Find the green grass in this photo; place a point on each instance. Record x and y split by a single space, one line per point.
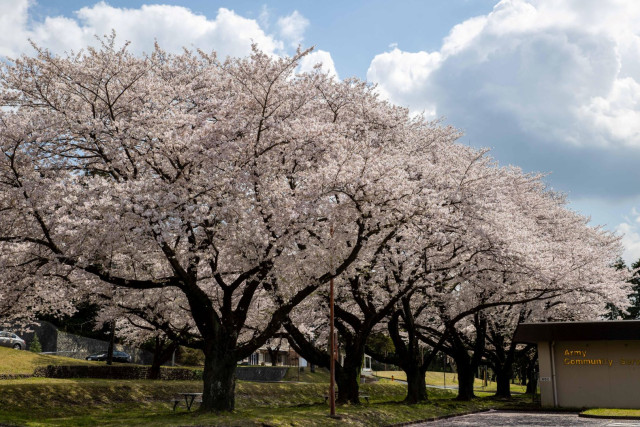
436 378
89 402
321 375
612 413
48 402
24 362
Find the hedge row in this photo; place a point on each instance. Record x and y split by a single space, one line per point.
114 372
14 376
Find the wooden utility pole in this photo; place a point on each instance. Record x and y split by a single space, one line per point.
332 351
112 338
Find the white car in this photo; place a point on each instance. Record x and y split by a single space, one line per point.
8 339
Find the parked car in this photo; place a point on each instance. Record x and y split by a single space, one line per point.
118 356
8 339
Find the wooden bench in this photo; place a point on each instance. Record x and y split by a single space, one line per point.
188 398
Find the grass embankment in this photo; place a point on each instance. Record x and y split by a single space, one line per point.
48 402
20 362
449 379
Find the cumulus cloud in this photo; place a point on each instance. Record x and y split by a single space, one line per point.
546 83
565 70
403 76
174 27
630 231
316 57
292 28
13 21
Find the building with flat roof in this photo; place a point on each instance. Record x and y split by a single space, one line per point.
586 364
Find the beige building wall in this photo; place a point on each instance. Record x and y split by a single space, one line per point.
592 374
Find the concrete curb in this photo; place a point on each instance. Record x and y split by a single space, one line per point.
610 417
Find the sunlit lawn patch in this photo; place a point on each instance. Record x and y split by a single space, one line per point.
612 413
448 379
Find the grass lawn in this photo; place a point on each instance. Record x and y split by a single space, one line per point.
613 413
321 375
88 402
436 378
24 362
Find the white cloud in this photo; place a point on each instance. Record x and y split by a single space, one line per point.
292 28
630 231
563 71
13 22
308 62
403 77
174 27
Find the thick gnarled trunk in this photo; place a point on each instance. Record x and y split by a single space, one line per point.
348 388
416 385
466 378
503 379
219 379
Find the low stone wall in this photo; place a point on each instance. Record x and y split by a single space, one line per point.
121 372
261 373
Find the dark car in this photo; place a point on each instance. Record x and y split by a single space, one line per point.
118 356
8 339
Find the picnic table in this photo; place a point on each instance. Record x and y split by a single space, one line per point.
189 399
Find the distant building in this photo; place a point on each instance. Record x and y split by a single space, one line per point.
283 355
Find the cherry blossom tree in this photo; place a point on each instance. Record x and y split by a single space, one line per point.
206 200
514 243
209 185
552 256
386 271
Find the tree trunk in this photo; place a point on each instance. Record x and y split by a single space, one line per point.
273 355
531 373
465 382
219 378
161 354
348 387
503 377
154 370
532 383
416 386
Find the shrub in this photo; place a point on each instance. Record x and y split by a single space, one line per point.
114 372
35 345
190 356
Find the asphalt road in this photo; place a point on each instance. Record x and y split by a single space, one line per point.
506 418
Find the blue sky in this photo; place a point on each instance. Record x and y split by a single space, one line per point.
549 85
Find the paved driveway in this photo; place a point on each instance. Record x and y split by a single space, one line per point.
505 418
